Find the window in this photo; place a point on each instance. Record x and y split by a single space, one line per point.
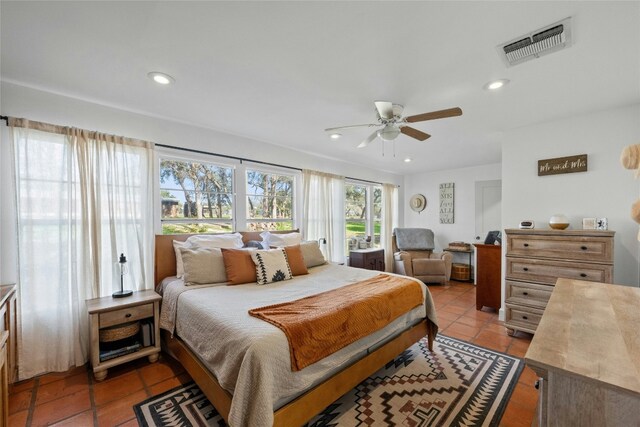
196 197
269 201
363 213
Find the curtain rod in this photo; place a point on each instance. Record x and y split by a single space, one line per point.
242 159
226 156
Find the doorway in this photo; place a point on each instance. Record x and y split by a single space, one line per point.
488 208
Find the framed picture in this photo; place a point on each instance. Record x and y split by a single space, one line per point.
588 223
602 224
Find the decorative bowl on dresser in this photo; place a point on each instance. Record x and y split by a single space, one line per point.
536 258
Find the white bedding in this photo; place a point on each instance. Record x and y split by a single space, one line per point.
250 357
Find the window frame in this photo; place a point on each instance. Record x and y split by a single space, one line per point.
239 168
175 155
369 219
296 180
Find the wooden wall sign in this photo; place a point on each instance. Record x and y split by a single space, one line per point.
446 203
562 165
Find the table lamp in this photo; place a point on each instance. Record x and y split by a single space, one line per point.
123 270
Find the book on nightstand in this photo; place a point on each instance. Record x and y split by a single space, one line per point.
112 354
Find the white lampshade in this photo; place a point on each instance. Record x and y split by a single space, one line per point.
389 133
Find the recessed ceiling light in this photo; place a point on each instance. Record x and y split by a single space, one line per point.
335 135
161 78
496 84
407 159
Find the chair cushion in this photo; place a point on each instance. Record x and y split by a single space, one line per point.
425 267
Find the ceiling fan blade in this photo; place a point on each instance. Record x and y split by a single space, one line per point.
414 133
369 139
451 112
385 109
352 126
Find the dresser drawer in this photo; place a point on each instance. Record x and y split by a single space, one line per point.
547 271
125 315
522 318
528 294
595 249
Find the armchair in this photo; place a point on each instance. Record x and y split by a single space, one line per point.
413 256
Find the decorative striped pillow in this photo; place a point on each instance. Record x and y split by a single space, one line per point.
271 266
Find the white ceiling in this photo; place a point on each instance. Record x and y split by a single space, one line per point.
281 72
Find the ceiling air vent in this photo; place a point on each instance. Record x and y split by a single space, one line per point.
540 42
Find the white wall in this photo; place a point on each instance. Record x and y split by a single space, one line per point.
464 224
20 101
605 190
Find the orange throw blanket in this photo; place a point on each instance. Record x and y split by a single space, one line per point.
319 325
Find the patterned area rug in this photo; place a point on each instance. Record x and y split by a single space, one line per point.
459 384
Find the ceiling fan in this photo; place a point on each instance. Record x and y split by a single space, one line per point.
389 117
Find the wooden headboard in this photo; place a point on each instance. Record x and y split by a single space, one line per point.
165 255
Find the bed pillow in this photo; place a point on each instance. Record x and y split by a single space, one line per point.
202 266
271 266
279 240
179 265
312 254
239 266
296 260
233 241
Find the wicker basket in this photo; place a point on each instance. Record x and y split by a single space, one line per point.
119 332
460 271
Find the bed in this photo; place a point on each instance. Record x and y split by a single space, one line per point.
241 363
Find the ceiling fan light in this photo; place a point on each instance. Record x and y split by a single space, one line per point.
389 133
335 135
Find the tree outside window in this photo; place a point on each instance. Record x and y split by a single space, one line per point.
269 201
196 197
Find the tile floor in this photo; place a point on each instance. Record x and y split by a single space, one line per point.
73 398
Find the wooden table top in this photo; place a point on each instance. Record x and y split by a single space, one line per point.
591 331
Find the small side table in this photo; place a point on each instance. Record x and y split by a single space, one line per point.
110 312
369 259
469 252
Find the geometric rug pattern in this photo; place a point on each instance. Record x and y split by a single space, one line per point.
458 384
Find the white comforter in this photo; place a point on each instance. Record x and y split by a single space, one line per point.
250 357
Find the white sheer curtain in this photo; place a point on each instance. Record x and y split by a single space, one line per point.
323 211
82 199
389 222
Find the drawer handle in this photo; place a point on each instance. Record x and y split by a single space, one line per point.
526 269
583 274
127 315
525 293
526 245
584 248
525 317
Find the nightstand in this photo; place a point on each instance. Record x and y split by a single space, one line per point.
110 316
370 259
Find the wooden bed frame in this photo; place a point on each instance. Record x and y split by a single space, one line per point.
312 402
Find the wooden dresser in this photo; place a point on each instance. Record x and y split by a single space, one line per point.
535 259
370 259
9 323
586 354
488 276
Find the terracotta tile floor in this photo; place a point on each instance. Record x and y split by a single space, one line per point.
74 398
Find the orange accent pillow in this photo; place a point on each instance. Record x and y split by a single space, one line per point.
296 260
239 266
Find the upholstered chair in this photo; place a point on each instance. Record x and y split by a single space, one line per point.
413 256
